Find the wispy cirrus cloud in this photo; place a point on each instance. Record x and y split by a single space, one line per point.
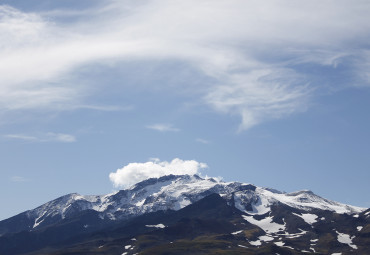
105 108
17 178
59 137
21 137
163 127
47 137
257 53
203 141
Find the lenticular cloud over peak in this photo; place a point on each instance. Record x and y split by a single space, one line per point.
136 172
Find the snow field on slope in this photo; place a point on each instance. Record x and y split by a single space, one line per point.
308 217
267 224
346 239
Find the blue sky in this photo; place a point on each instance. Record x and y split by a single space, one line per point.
275 93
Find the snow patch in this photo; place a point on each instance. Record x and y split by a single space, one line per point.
237 232
266 238
140 203
346 239
308 217
260 207
266 224
295 235
359 228
279 243
255 243
37 222
156 226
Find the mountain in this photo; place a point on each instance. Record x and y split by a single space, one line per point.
175 213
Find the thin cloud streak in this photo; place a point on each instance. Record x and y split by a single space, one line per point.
163 128
21 137
253 53
18 179
203 141
48 137
58 137
104 108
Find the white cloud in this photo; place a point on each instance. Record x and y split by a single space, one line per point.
136 172
163 127
105 108
48 137
254 51
18 179
204 141
21 137
260 95
64 138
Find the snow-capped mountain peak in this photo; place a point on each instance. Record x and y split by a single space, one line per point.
173 193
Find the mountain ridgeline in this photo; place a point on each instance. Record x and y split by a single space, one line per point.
189 214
